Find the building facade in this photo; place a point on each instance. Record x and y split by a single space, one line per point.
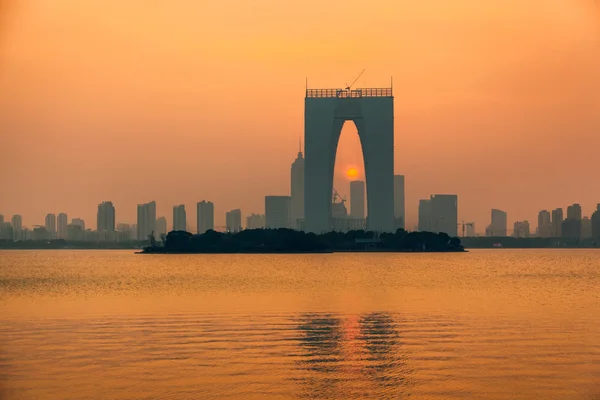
179 218
357 199
399 205
146 220
106 217
297 190
255 221
278 212
205 216
233 220
17 227
521 229
50 225
61 223
444 214
498 226
596 223
557 220
544 229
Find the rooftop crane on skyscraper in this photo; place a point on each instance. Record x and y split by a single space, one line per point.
348 87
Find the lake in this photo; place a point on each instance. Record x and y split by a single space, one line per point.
488 324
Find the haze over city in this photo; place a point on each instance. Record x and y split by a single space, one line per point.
497 101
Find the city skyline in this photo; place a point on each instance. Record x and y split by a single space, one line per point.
486 123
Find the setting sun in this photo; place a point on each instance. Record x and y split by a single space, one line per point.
352 173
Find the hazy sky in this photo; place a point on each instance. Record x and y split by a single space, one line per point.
183 100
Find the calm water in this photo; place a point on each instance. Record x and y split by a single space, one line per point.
498 324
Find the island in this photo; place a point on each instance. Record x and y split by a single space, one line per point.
292 241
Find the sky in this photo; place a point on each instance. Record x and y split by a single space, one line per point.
497 101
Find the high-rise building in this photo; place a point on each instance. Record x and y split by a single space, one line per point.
357 199
571 226
596 223
557 220
62 222
255 221
146 220
17 227
297 190
425 216
499 224
444 214
78 222
106 221
544 229
586 228
574 212
277 212
233 221
179 218
399 206
205 216
161 226
471 230
50 225
521 229
1 224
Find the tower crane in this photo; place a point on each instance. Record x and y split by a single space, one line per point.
348 87
337 196
465 224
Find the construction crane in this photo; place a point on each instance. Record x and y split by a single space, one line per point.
348 87
337 196
465 224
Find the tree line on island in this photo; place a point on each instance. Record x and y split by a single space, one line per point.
292 241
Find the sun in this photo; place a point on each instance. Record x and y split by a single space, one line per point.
352 173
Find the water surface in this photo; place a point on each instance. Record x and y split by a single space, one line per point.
489 324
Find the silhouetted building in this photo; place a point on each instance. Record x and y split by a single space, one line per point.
233 220
161 226
50 225
544 228
297 190
78 222
179 218
61 222
574 212
499 224
444 214
357 199
205 216
17 227
6 231
277 212
399 205
146 220
255 221
41 233
596 223
106 221
471 230
586 228
557 220
75 232
571 229
521 229
425 216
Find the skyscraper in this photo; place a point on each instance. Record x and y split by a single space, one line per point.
557 220
574 212
255 221
146 220
499 224
161 226
357 199
277 212
596 223
50 224
233 221
544 224
425 216
586 228
179 218
399 206
78 222
444 214
205 217
62 223
106 217
571 226
521 229
297 190
17 225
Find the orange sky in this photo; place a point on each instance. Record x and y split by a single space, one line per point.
178 101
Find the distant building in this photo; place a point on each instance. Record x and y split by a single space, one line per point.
41 233
6 231
205 216
146 220
233 221
586 228
557 220
471 230
106 221
179 218
161 226
499 224
574 212
399 205
278 212
425 216
50 225
596 223
571 227
62 222
297 190
444 214
75 232
78 222
544 229
357 199
521 229
17 227
255 221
